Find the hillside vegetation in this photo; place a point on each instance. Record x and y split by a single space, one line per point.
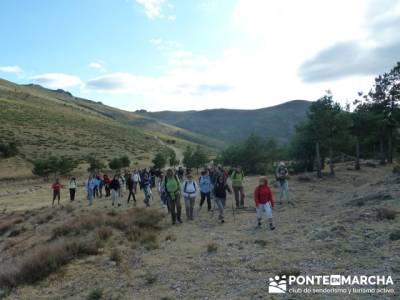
45 122
234 125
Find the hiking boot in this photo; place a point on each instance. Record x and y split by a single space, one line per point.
271 226
222 221
180 221
119 204
173 222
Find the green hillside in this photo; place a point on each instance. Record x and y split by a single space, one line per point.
46 122
231 125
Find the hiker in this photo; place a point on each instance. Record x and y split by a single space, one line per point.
121 180
282 175
72 185
100 186
190 189
180 173
219 191
136 179
130 185
126 178
89 186
145 186
264 202
106 181
205 189
96 187
115 186
56 186
161 191
237 178
172 187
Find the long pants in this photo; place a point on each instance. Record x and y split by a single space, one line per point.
221 205
100 191
107 188
72 194
90 195
147 195
284 190
239 192
115 197
131 193
135 184
205 196
189 205
175 207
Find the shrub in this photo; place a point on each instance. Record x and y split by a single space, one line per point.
171 237
116 256
150 278
149 241
9 150
395 235
212 247
289 272
104 233
96 294
386 213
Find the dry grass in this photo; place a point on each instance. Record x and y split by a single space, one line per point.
116 256
7 224
212 247
96 294
38 263
385 213
104 233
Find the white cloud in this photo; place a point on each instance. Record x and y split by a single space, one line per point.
57 80
154 9
11 69
97 66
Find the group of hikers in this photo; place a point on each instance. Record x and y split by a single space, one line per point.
171 186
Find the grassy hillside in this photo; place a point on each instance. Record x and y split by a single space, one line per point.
230 126
46 122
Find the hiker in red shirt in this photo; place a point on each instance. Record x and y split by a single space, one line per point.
57 186
264 202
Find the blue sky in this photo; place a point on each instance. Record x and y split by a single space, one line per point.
188 54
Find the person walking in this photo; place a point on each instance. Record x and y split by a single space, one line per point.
282 175
56 187
172 187
161 191
220 189
264 202
115 186
190 189
131 189
136 180
237 178
106 181
205 189
72 185
145 185
89 186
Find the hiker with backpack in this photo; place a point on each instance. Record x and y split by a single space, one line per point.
72 185
106 181
131 185
89 186
115 187
237 179
136 179
172 187
145 185
264 202
205 187
282 175
56 187
219 191
189 189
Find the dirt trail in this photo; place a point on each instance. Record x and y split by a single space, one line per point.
325 233
178 152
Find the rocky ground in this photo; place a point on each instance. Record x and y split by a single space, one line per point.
343 225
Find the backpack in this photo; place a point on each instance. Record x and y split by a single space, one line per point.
166 179
194 185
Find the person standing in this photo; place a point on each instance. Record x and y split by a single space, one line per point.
146 187
282 175
237 178
115 186
72 185
90 184
220 189
172 187
205 189
264 202
56 187
136 180
161 190
190 189
106 181
130 185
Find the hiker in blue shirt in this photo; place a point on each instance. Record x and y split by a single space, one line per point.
205 189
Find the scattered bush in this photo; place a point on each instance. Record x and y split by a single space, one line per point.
116 256
171 237
149 241
395 235
151 278
96 294
289 272
9 150
386 214
262 243
104 233
212 247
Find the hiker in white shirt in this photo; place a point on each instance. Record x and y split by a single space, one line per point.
189 191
